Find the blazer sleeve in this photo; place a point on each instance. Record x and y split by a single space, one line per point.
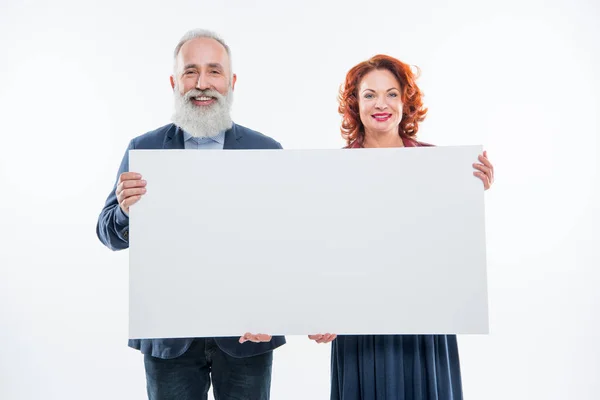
113 224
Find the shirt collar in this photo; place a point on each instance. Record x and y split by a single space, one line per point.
219 138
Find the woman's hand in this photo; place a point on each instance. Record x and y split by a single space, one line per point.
323 338
485 171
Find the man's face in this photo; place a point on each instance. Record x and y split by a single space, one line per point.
203 64
203 88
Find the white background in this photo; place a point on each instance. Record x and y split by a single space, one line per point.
79 79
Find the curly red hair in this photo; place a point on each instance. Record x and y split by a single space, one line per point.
413 111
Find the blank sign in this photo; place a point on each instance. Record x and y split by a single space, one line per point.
363 241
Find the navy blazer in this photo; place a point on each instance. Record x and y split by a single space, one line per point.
113 231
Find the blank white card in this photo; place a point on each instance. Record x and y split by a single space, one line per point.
364 241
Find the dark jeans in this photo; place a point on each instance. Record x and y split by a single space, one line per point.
188 376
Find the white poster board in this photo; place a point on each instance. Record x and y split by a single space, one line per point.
363 241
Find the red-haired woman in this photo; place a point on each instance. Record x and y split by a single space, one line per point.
381 106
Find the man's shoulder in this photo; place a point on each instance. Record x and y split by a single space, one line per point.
154 138
256 139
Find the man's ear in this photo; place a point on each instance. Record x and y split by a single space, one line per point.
172 79
233 79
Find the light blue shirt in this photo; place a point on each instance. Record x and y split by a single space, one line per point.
204 143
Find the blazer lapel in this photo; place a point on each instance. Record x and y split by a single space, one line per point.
232 137
174 138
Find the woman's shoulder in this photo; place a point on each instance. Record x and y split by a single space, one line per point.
408 142
412 142
423 144
354 145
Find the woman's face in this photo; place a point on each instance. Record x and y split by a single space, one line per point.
379 102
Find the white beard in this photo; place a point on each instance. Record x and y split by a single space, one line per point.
202 121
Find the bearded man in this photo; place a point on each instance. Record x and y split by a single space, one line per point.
182 369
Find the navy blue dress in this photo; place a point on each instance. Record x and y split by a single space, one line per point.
395 367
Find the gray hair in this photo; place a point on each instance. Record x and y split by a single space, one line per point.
196 34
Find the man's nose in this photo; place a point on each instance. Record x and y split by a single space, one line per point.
202 83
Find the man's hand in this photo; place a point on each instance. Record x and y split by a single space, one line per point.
130 189
261 337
